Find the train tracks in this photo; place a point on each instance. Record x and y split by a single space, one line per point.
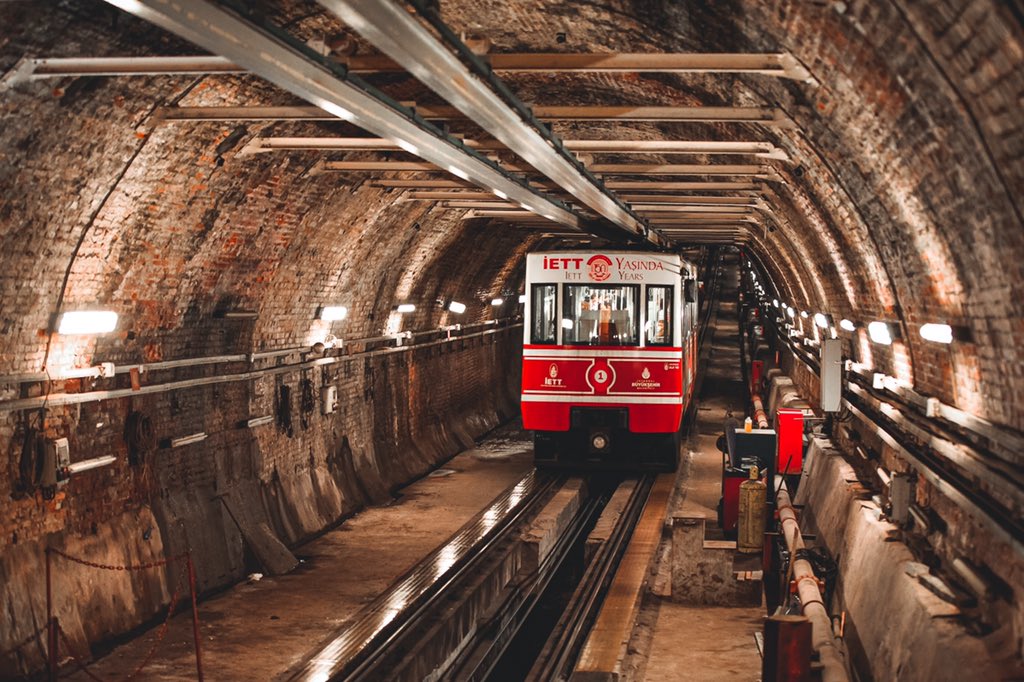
459 613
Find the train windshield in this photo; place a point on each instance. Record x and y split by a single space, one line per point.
600 315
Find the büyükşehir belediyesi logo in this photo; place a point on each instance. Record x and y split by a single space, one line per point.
599 268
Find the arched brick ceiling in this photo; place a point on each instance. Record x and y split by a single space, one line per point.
901 200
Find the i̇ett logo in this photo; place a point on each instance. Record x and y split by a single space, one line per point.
599 268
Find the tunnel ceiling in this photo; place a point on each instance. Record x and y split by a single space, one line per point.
898 198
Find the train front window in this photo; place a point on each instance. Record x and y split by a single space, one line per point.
658 331
600 315
542 304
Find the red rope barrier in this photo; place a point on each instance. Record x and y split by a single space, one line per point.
109 567
185 571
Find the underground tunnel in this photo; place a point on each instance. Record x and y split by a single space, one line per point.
338 339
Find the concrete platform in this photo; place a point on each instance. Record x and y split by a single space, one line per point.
257 631
687 634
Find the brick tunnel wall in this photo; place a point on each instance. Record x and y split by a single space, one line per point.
166 225
899 203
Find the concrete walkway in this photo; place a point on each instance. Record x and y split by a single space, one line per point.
257 631
692 643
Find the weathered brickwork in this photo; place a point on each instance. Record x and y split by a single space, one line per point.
901 202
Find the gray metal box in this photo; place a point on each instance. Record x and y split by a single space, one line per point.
831 375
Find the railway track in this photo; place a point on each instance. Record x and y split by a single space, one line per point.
360 648
563 646
405 633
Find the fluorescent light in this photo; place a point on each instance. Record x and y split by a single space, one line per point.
880 333
94 463
522 298
821 320
497 301
775 302
847 325
332 313
804 314
939 333
566 323
259 421
87 322
188 440
456 307
501 195
790 311
458 172
238 314
405 308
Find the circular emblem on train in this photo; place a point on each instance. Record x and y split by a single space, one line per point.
553 370
599 268
600 376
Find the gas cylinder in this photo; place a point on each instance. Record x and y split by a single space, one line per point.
753 496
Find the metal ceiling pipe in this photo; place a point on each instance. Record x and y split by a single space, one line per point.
398 34
296 70
811 604
758 149
766 116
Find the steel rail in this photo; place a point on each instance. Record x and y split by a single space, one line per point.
563 646
398 34
277 57
354 650
477 662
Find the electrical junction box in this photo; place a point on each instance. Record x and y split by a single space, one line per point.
56 462
831 375
328 399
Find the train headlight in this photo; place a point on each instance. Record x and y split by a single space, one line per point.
600 441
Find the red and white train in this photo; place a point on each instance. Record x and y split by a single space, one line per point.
609 357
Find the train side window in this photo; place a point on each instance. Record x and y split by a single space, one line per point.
659 316
542 302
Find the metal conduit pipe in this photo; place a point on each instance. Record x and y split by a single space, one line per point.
59 399
811 604
96 371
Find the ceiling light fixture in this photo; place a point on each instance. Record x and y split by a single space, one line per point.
456 307
405 308
847 325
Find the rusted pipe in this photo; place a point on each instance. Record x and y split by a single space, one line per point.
195 616
811 603
760 417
